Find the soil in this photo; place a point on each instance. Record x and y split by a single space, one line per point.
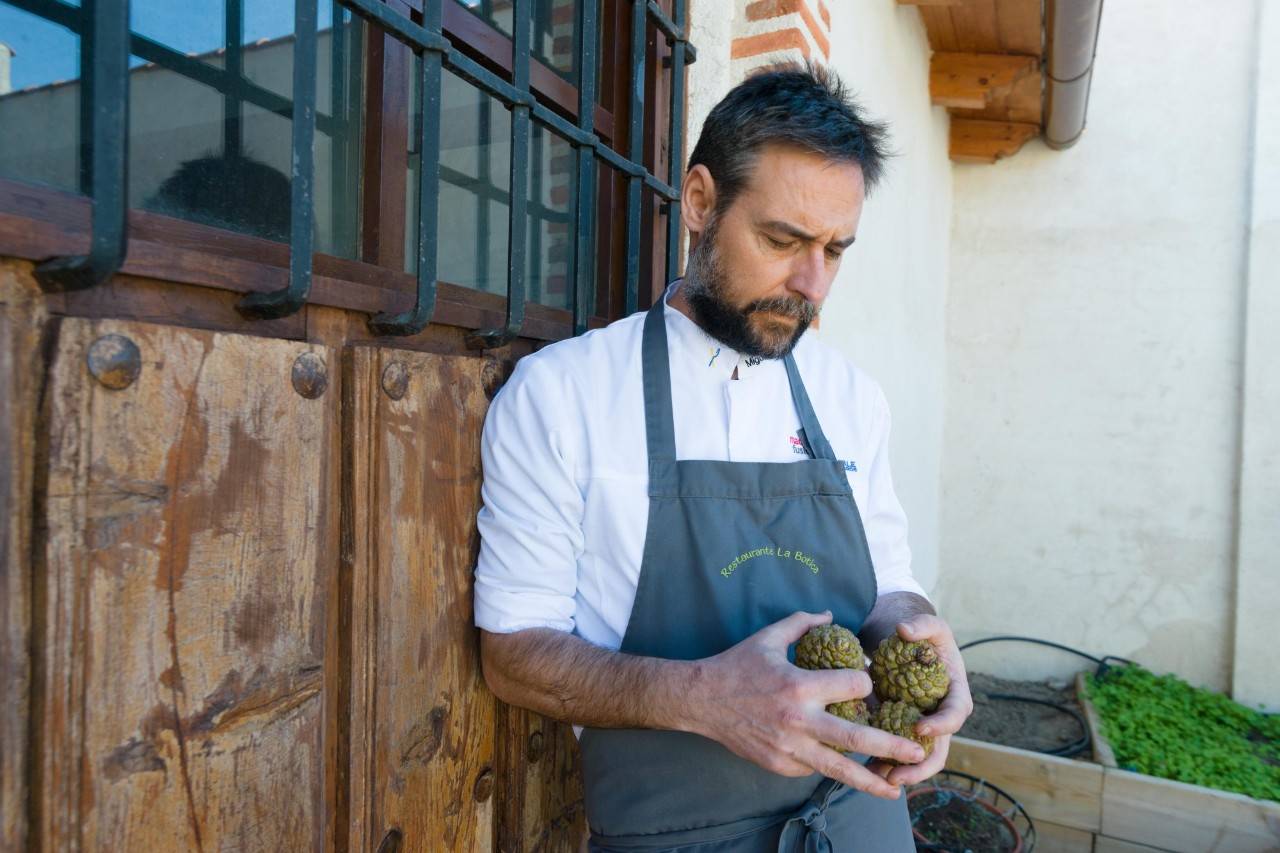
1025 725
951 821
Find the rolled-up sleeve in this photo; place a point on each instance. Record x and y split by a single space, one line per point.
883 518
531 519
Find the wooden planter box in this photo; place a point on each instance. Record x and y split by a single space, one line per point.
1087 806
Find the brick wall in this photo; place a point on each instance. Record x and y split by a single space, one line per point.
770 31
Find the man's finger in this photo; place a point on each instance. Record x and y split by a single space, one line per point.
837 685
851 737
833 765
910 774
795 626
950 715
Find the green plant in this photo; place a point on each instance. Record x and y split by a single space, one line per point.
1162 726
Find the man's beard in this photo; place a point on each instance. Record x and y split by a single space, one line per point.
706 288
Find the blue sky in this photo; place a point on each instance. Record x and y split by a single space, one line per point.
45 52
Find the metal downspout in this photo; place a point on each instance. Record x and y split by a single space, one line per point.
1072 43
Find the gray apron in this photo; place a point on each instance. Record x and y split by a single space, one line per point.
732 547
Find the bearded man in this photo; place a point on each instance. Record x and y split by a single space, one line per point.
673 501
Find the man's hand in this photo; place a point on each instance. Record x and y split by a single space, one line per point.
950 714
753 701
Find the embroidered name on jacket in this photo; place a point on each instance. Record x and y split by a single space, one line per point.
797 446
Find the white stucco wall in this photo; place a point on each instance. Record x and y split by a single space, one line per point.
1095 339
1254 669
886 310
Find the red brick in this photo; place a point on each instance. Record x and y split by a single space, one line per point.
764 9
743 48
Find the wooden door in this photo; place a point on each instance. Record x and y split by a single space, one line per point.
430 753
252 601
185 604
422 736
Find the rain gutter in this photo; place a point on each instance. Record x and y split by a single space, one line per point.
1072 41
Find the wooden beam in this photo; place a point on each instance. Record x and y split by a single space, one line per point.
1185 818
1056 838
1053 789
930 2
976 141
971 80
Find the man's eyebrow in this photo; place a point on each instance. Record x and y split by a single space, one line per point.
800 234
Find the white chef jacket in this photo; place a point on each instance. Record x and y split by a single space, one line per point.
565 491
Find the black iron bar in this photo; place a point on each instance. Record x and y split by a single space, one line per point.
539 213
109 116
673 30
400 27
430 81
635 137
232 106
583 254
66 15
675 148
518 223
105 88
291 298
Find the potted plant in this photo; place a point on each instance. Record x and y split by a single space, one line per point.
956 812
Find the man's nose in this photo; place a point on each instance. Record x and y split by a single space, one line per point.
809 275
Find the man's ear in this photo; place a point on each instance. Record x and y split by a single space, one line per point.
697 200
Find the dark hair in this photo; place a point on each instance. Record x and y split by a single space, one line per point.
802 105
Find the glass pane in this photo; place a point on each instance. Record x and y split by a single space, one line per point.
554 25
553 192
39 100
223 158
210 91
475 163
475 179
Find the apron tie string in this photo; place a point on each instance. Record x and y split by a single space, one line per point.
806 830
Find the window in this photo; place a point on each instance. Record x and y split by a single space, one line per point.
212 97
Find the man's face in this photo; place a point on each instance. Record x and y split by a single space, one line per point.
763 268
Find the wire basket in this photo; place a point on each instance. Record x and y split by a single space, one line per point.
968 801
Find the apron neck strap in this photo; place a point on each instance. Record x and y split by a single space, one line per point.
659 420
819 447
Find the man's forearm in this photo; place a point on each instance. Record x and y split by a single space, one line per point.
889 610
566 678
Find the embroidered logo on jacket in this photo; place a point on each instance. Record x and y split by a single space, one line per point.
799 447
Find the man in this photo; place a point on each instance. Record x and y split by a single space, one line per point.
671 502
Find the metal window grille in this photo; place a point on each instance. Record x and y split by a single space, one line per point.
107 43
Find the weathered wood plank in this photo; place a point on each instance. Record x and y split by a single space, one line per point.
540 784
22 318
1053 789
1020 23
971 80
1185 818
1102 752
937 23
188 597
976 141
976 26
1023 103
1102 844
422 721
1056 838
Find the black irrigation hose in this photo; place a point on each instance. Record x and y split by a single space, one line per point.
1076 746
1101 662
1081 744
